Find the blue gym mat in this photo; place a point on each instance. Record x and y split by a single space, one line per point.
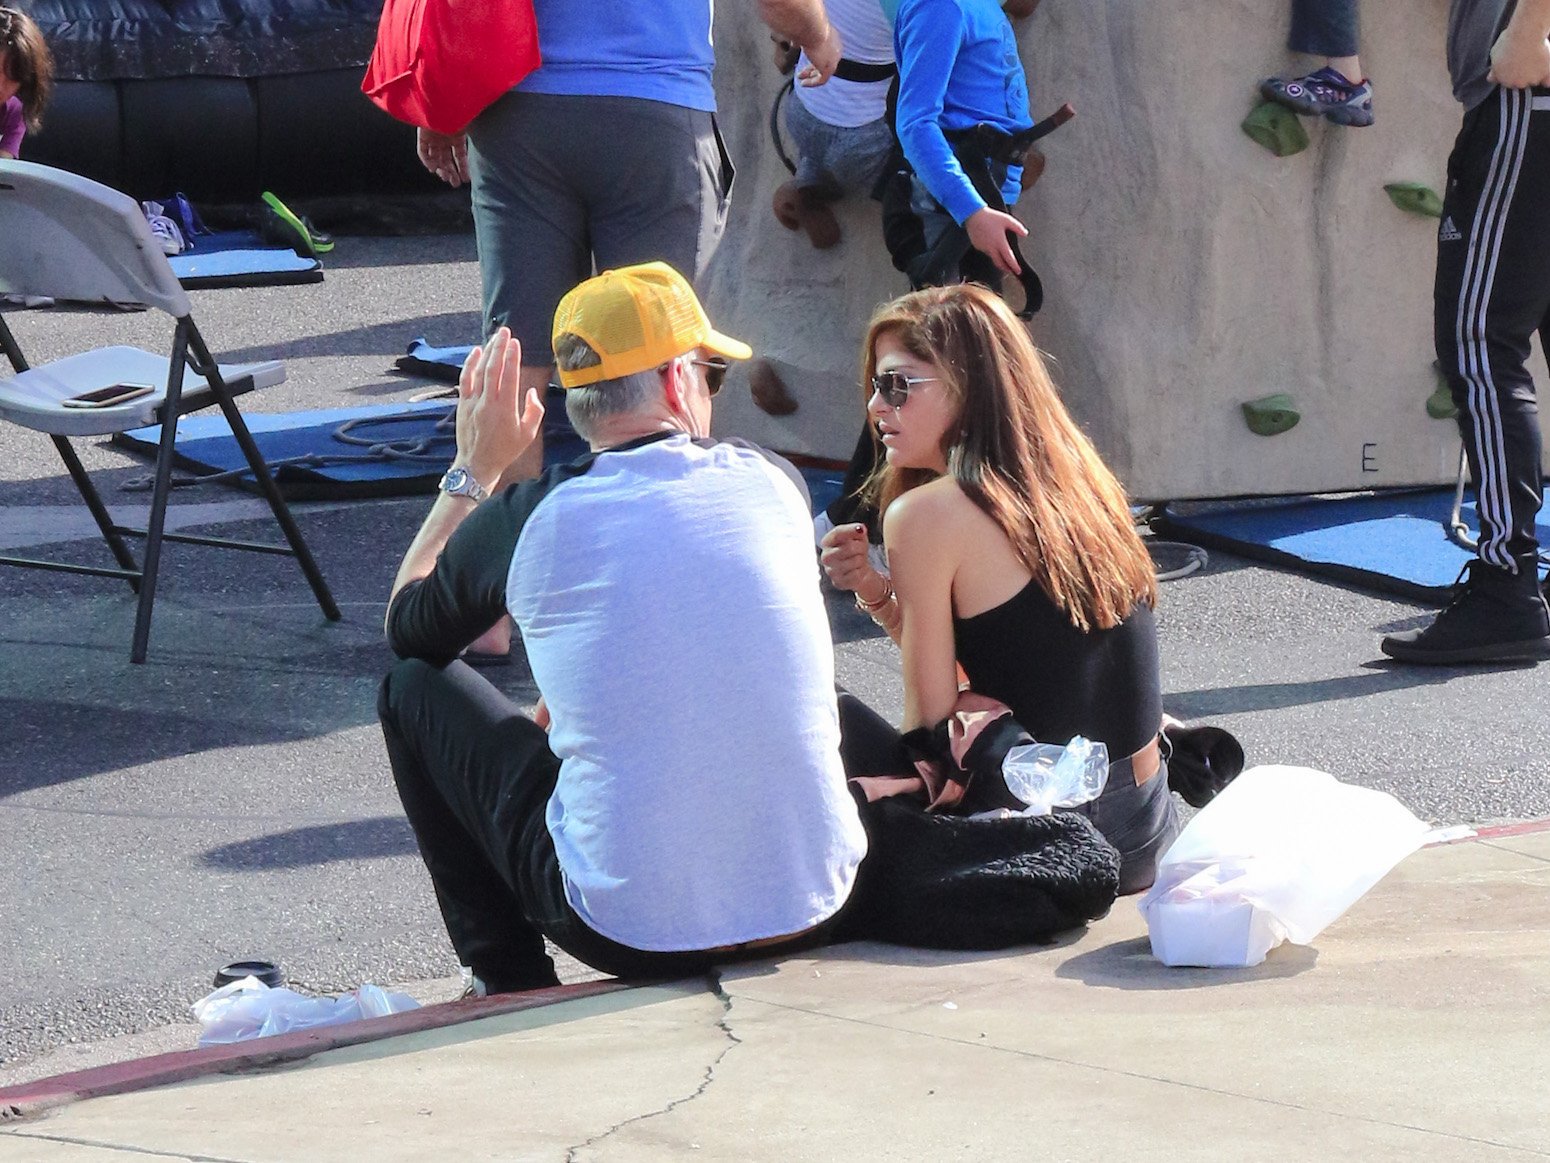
240 258
346 453
1396 542
381 450
438 363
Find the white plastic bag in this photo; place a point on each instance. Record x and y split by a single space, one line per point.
1279 855
250 1009
1046 776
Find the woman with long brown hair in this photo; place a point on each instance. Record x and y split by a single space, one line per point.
1012 552
26 79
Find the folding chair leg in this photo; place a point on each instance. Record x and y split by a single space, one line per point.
159 493
206 366
99 511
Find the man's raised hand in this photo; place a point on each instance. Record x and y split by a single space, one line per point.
495 424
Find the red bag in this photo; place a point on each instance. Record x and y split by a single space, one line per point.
438 64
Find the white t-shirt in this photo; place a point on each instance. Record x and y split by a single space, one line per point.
668 600
867 38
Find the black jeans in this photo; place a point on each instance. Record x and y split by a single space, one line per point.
475 776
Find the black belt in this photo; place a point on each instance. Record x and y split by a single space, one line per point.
848 70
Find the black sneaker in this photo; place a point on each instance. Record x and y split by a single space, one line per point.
1494 616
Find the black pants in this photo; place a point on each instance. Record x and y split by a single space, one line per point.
1492 294
475 776
1141 822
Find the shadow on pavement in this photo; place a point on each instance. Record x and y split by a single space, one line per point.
318 844
1130 965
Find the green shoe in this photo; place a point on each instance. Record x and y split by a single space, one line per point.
283 227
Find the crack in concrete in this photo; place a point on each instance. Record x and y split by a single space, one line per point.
1514 852
145 1152
713 983
1157 1078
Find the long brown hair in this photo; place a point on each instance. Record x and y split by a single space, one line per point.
28 62
1018 454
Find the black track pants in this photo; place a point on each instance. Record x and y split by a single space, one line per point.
1492 294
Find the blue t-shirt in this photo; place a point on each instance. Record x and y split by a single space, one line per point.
660 51
958 68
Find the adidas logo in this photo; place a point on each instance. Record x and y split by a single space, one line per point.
1448 232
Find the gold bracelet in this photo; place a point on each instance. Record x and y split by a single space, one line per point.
867 607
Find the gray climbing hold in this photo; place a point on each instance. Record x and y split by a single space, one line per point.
1271 415
1415 198
1276 128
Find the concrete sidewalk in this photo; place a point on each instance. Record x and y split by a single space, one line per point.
1415 1028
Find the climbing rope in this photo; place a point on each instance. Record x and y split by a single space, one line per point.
433 449
1458 531
780 146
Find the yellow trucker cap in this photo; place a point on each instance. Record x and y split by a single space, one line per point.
637 318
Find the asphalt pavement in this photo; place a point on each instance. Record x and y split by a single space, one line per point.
230 798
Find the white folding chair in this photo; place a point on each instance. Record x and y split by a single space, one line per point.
77 241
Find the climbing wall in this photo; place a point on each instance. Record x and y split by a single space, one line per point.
1188 269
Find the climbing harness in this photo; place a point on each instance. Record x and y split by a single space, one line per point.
847 70
979 151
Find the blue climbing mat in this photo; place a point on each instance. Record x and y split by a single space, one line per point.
380 450
1396 542
240 258
437 363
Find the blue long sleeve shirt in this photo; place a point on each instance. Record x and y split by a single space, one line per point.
958 67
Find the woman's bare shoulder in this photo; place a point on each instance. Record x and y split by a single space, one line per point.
937 500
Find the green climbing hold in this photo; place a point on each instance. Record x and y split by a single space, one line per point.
1276 128
1440 405
1271 415
1415 198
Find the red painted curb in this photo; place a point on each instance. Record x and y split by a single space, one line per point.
31 1099
1522 828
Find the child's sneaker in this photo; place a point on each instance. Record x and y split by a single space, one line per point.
164 228
181 210
1322 94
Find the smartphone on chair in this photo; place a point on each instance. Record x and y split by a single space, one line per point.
108 397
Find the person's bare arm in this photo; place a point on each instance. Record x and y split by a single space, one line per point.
923 560
494 426
1520 57
804 22
1019 9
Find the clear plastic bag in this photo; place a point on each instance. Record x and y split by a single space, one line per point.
1046 776
1279 855
250 1009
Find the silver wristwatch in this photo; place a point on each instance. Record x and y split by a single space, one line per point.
459 482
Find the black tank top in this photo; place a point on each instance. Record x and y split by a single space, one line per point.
1060 681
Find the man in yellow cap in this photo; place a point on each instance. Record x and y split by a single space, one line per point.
677 798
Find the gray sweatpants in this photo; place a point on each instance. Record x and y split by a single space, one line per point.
563 185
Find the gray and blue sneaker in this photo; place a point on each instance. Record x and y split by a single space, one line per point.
1325 93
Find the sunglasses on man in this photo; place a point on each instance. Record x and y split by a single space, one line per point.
715 372
894 387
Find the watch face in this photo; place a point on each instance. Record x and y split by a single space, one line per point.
457 478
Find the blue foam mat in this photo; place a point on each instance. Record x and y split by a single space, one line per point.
240 258
439 363
1397 542
204 444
